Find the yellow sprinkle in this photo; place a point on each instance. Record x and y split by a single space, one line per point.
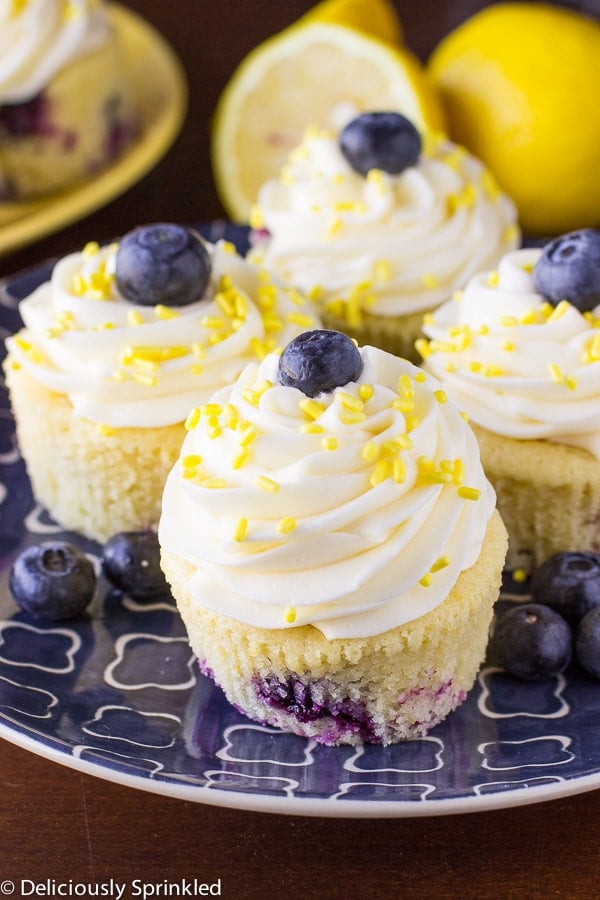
311 428
430 280
312 408
143 378
334 227
412 422
330 443
290 615
420 377
351 416
193 417
425 580
493 279
380 472
350 401
105 430
370 451
382 270
165 312
249 434
556 374
508 346
509 321
366 391
440 396
241 530
428 319
404 404
375 177
240 458
464 415
91 248
191 460
559 310
267 484
519 575
213 483
469 493
405 386
398 470
491 371
440 563
286 525
134 317
300 319
256 219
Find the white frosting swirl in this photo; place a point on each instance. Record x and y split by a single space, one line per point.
121 364
39 37
355 512
518 366
396 244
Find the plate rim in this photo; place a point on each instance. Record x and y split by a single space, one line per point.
36 219
60 752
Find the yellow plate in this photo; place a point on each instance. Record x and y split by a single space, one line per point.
159 80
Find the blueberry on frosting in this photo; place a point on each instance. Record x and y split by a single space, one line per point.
569 269
162 264
380 140
318 361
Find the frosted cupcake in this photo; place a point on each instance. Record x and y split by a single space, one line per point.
519 350
117 347
66 109
332 544
379 225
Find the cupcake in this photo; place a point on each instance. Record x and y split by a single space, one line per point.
117 347
519 351
333 545
379 225
66 109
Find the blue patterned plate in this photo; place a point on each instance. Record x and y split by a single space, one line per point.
118 694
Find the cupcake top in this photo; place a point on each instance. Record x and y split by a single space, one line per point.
359 231
137 332
329 486
39 37
519 358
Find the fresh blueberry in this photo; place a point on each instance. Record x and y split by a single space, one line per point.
380 140
532 642
52 581
569 269
569 582
162 264
587 642
318 361
131 561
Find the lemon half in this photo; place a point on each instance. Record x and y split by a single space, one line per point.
312 73
520 85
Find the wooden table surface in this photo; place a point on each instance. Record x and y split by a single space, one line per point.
60 826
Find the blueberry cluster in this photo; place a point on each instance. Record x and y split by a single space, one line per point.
537 640
55 580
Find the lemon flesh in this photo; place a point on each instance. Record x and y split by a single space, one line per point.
519 83
312 73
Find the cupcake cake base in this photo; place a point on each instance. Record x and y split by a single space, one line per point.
381 689
548 495
80 123
92 480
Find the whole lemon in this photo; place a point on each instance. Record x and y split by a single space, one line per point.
520 84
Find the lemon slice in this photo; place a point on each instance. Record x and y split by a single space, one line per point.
312 73
377 18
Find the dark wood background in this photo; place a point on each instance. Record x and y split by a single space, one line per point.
58 824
